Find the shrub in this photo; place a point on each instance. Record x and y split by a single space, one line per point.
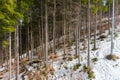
70 58
56 56
61 63
112 57
116 35
64 58
70 43
91 75
65 67
81 40
52 72
75 67
85 68
52 69
92 42
95 60
51 56
102 37
59 68
75 56
43 72
64 75
94 49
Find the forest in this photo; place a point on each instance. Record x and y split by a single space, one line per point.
59 39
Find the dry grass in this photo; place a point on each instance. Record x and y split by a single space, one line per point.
75 56
24 61
1 75
48 68
70 59
37 75
54 57
30 77
112 57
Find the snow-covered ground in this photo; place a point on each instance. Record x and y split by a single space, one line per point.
103 69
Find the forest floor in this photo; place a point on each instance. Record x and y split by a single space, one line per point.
68 68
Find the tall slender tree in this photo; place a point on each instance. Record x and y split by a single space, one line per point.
88 34
64 25
112 32
10 66
46 31
54 26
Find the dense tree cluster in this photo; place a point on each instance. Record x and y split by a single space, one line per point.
39 27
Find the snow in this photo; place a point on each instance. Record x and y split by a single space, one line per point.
103 69
106 69
1 69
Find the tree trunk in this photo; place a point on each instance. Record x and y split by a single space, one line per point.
46 32
17 51
112 32
88 62
95 29
54 24
64 25
10 56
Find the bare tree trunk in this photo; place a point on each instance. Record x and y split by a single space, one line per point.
109 24
112 32
77 42
46 32
10 72
64 25
54 24
31 52
84 32
70 20
20 42
32 41
17 51
42 30
39 51
95 29
88 34
28 43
